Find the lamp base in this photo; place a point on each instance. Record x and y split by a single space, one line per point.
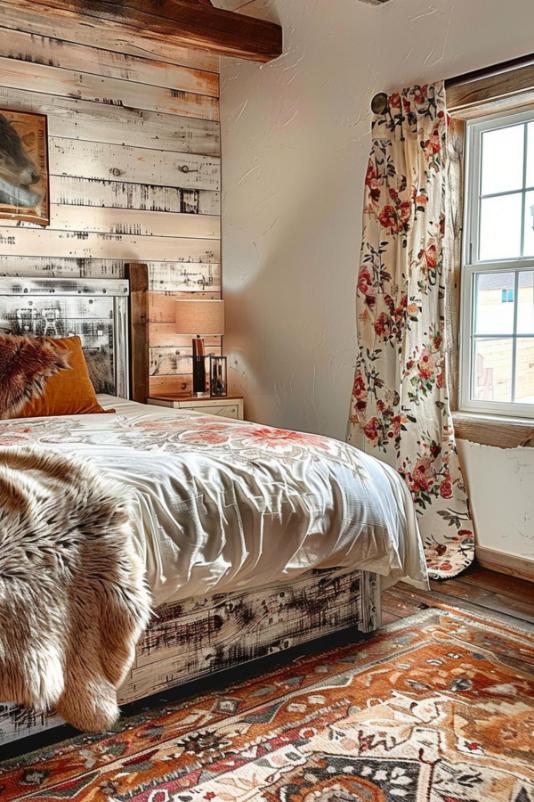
199 367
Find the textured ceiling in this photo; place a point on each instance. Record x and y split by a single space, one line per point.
241 5
230 5
263 9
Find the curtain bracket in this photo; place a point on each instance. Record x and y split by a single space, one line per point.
379 103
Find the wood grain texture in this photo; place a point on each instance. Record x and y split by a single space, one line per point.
164 334
183 23
70 118
497 432
180 277
21 15
474 92
139 354
84 245
126 195
134 163
175 361
453 251
112 91
55 52
55 267
478 590
129 221
520 568
181 384
167 361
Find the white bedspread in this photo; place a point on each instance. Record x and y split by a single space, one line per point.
225 505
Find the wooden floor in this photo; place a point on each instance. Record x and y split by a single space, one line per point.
478 589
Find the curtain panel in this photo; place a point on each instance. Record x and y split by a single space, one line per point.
400 409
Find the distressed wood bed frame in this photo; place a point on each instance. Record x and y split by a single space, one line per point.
200 636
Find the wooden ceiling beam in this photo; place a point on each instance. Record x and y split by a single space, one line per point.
188 23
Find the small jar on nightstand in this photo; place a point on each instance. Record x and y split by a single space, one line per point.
228 407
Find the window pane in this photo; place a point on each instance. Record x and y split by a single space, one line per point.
530 156
500 227
494 303
524 381
493 370
502 159
525 303
529 223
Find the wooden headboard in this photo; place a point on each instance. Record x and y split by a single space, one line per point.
94 309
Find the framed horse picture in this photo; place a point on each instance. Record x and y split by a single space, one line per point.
24 184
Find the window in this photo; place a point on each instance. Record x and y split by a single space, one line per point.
497 342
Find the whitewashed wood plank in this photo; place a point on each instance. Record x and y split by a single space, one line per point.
172 361
39 266
129 221
137 165
112 91
179 277
169 361
25 47
120 195
58 267
19 15
164 276
79 119
83 245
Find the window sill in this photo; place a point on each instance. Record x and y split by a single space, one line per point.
488 430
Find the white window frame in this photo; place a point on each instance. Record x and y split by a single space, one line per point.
473 266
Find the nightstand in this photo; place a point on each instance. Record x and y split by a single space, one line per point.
230 407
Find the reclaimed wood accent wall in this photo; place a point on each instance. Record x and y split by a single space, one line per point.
134 148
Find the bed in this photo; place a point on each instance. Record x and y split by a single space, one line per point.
254 539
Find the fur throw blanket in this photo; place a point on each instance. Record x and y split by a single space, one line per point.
73 599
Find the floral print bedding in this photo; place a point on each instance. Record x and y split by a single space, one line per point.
224 505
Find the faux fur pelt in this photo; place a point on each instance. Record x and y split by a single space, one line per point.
25 365
73 599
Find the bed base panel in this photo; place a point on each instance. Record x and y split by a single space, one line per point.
198 637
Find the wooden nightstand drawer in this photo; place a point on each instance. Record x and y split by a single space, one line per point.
224 410
224 407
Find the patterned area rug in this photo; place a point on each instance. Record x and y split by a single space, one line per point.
436 708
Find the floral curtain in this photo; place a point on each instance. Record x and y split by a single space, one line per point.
400 409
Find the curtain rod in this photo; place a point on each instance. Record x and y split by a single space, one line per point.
379 102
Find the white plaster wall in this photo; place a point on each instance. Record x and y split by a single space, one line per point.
501 484
295 143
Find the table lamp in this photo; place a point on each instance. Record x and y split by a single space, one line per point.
200 319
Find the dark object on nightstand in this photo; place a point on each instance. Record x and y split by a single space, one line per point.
218 380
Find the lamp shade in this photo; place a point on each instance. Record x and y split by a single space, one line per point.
200 317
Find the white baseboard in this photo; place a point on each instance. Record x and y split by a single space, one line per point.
496 560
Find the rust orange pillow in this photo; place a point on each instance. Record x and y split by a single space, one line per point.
42 376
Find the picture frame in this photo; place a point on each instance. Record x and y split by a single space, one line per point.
24 172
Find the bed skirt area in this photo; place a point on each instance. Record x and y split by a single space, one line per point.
198 637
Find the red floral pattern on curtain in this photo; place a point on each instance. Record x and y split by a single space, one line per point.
400 406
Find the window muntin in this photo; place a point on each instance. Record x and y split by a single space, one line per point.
497 342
